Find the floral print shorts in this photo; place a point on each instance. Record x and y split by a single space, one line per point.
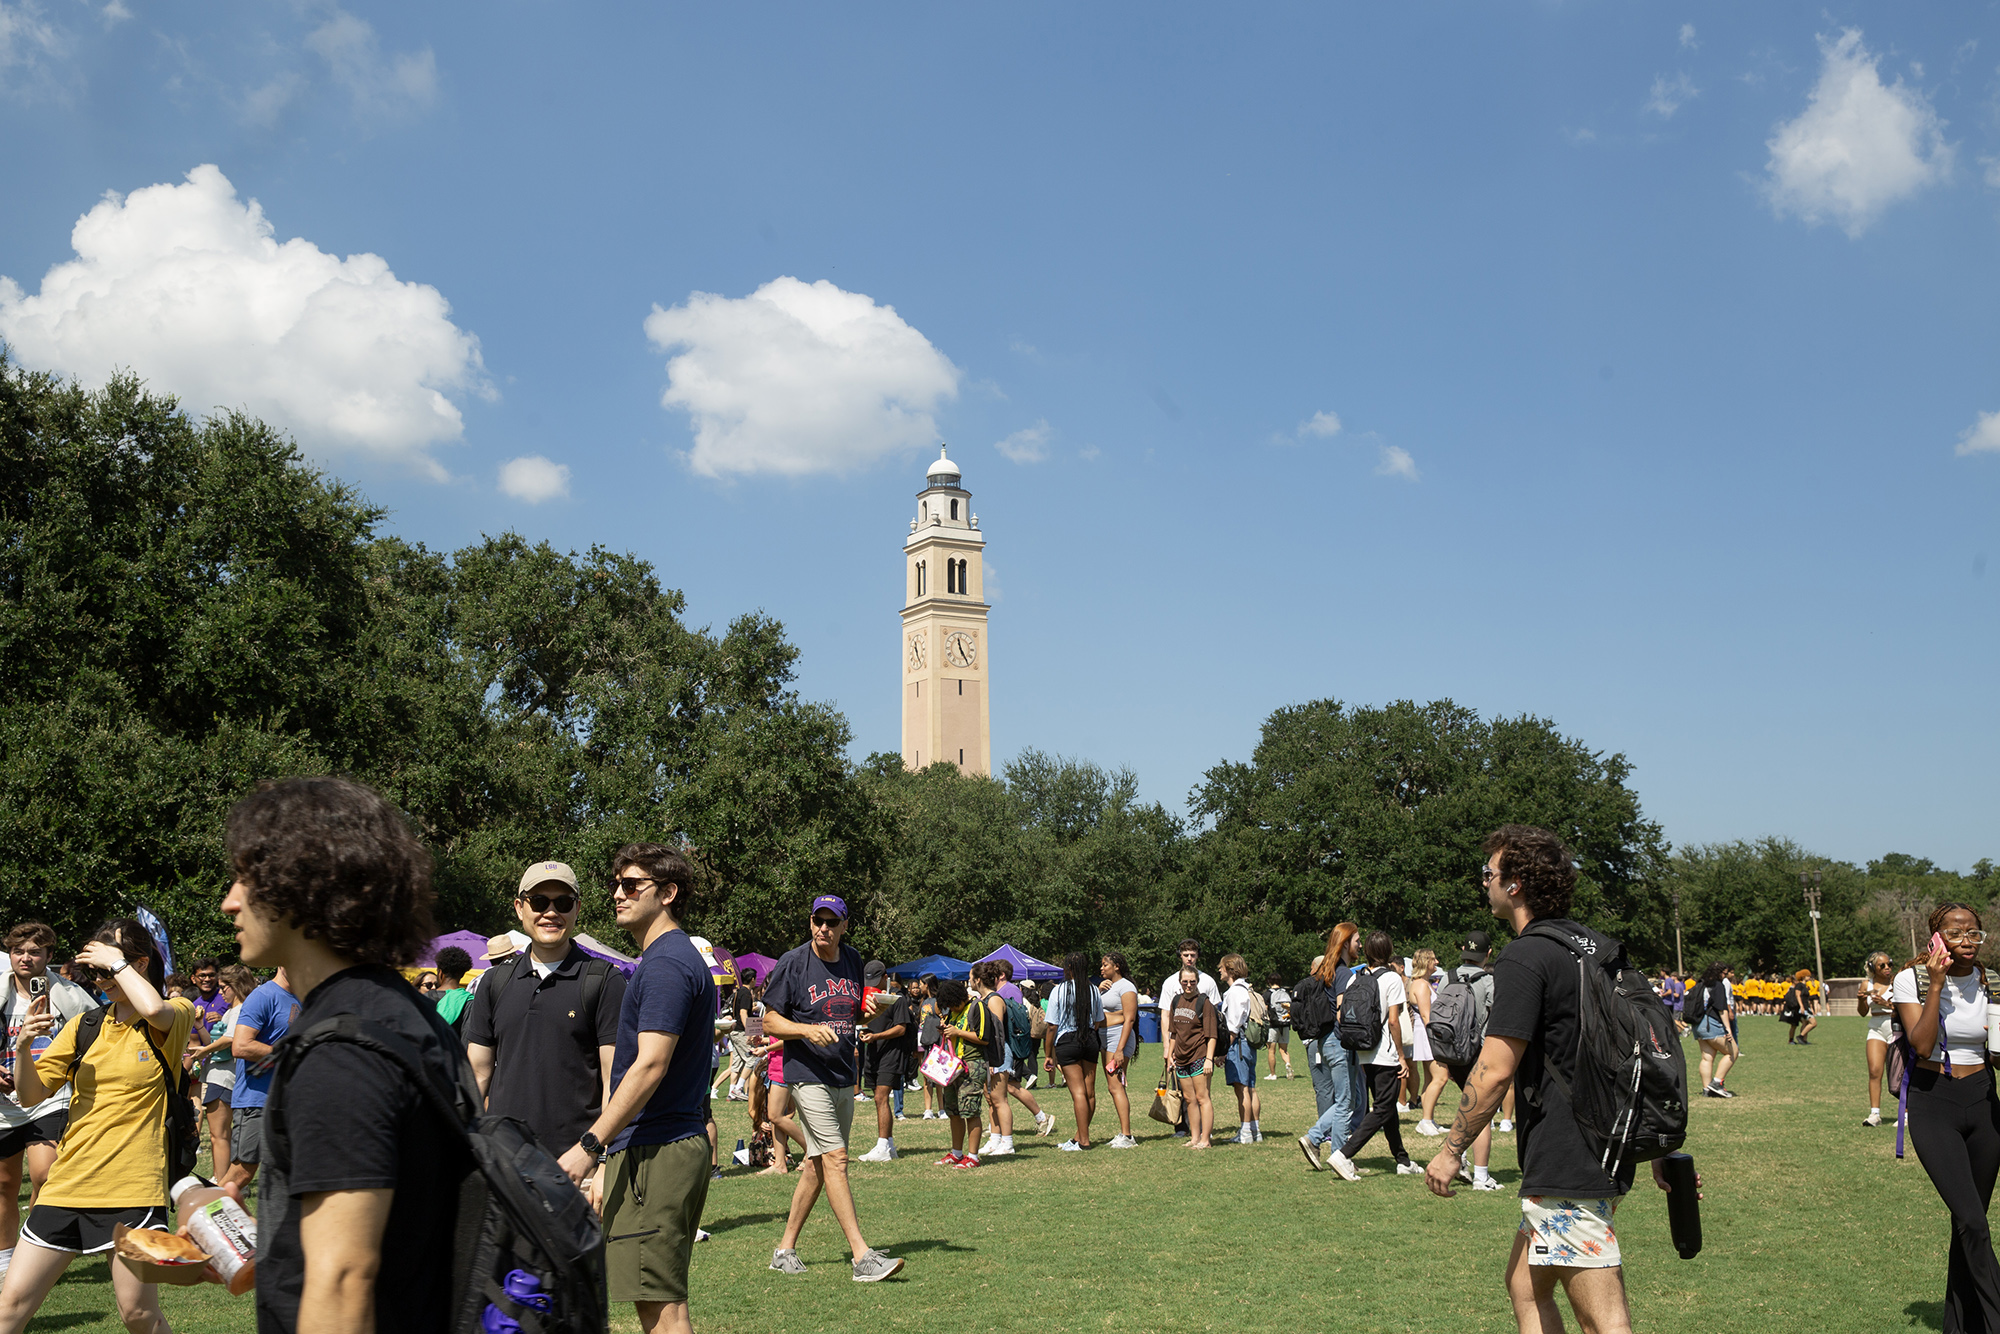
1573 1233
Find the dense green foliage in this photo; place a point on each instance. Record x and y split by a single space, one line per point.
186 609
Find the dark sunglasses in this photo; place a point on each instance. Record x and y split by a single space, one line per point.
542 902
826 921
630 883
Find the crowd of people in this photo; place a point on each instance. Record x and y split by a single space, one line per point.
615 1071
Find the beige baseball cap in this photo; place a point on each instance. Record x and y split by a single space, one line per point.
543 872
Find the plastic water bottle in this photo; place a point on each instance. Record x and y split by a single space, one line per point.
220 1226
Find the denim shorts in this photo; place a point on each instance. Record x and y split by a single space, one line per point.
1710 1029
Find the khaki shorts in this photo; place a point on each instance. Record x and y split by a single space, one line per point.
825 1115
653 1199
1575 1234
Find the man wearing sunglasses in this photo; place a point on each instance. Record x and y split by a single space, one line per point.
541 1029
813 1003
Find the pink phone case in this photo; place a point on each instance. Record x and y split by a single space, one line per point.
1937 943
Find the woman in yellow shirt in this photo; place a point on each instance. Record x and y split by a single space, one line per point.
111 1166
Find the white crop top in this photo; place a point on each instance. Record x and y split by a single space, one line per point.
1961 1015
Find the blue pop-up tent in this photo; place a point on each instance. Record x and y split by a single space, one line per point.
943 965
1025 965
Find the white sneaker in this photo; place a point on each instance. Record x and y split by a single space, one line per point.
1340 1163
1402 1107
1428 1128
992 1142
1124 1142
1270 1076
1485 1183
998 1147
1463 1173
1257 1134
881 1153
1874 1118
1242 1136
1504 1126
1408 1170
930 1115
1070 1146
1045 1124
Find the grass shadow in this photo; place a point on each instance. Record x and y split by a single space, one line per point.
931 1244
722 1225
1928 1314
69 1319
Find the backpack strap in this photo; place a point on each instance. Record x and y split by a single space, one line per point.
1547 932
594 973
455 1106
87 1026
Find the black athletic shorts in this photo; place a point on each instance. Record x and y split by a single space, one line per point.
42 1130
84 1231
890 1069
1069 1050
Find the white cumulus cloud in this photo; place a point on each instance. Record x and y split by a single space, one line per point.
185 286
534 479
798 378
1028 445
1668 95
1859 146
1982 437
1321 424
1396 462
1687 37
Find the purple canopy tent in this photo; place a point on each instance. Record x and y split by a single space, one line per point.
1025 965
763 963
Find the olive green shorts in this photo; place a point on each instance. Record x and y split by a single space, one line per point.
653 1197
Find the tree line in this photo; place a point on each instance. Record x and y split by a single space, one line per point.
186 608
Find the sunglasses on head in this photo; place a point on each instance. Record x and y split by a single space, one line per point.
543 902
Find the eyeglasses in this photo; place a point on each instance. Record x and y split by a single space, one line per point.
828 922
630 884
1964 937
541 903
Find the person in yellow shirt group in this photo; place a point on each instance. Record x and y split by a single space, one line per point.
111 1165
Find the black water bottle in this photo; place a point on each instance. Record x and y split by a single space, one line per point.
1683 1204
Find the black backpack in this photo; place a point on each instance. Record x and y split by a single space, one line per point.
517 1209
1630 1095
1314 1014
183 1132
1360 1025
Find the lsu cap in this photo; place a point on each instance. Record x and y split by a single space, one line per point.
833 903
543 872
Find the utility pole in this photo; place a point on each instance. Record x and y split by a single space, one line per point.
1680 968
1809 882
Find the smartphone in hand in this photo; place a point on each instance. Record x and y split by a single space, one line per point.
1937 943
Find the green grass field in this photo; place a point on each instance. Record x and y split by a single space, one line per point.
1809 1223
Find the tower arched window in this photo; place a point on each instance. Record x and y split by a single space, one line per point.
951 576
954 509
920 578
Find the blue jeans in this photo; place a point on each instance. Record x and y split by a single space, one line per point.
1336 1088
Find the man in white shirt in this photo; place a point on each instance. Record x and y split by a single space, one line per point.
1381 1065
31 1132
1239 1062
1190 958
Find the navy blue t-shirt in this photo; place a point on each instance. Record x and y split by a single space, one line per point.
671 991
806 989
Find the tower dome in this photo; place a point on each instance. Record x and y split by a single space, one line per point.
943 472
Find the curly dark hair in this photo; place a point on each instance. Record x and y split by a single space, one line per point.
1539 862
335 859
666 866
454 963
1713 973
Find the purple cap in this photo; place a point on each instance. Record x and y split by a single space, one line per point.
832 902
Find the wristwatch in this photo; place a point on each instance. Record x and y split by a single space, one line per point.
591 1144
122 966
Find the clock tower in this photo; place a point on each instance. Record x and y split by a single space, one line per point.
945 659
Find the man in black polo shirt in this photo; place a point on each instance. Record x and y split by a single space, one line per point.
1567 1200
542 1027
359 1202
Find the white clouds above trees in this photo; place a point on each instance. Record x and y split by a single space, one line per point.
1982 437
186 286
1859 146
534 479
798 378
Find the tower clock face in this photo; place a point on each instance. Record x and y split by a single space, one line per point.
916 651
960 650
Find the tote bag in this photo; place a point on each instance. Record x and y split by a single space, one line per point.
942 1065
1166 1106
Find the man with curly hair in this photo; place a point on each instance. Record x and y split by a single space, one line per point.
360 1198
1567 1200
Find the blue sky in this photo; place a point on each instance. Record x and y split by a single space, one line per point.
1660 341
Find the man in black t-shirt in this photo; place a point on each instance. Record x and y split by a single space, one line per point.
888 1058
1567 1200
331 885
